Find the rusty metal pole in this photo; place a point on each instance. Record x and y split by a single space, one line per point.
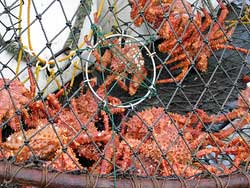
10 173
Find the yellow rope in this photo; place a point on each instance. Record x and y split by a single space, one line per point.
73 52
26 80
233 22
51 77
82 44
20 53
43 61
28 22
244 19
37 71
100 8
73 74
19 58
65 58
115 12
58 83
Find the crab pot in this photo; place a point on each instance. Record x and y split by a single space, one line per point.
135 93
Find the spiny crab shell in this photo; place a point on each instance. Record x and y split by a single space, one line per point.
187 37
124 61
33 142
14 96
129 57
162 138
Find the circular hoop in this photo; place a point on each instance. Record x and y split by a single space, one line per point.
130 105
42 67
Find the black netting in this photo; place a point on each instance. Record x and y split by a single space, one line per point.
113 93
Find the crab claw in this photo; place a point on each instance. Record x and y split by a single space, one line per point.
136 81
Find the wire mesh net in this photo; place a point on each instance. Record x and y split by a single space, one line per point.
109 90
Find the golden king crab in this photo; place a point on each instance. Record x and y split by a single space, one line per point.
185 36
124 59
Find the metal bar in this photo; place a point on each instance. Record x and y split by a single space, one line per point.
10 173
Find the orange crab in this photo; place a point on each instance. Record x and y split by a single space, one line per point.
52 127
156 143
185 36
123 61
40 142
14 98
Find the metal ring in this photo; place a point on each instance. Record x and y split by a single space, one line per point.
248 84
149 54
30 52
50 69
42 67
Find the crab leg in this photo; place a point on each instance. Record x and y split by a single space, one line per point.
185 65
136 80
221 18
108 82
208 20
109 153
177 58
239 124
102 61
229 47
32 82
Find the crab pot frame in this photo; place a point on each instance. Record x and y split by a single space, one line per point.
155 94
33 177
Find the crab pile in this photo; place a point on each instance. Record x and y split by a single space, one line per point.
186 37
157 143
13 98
80 134
83 134
52 128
